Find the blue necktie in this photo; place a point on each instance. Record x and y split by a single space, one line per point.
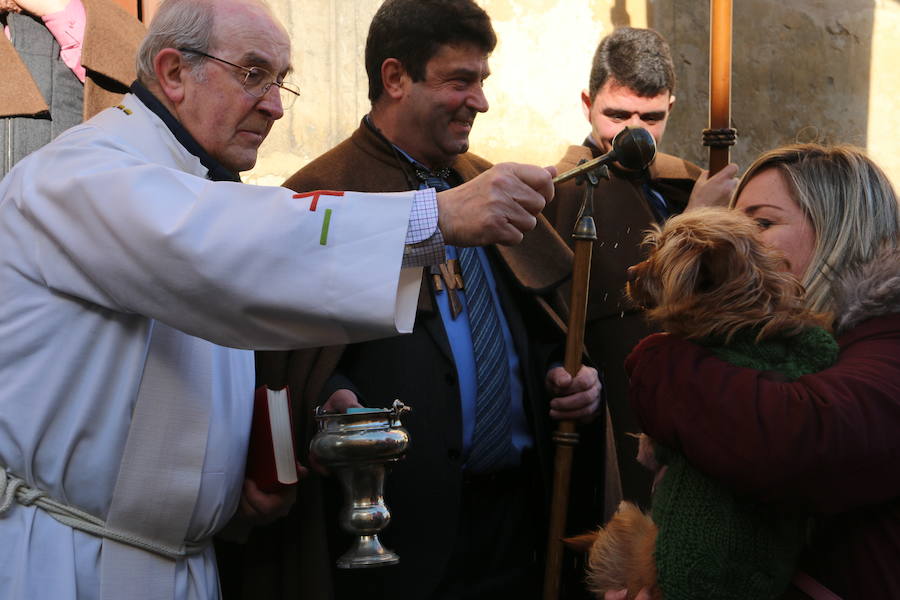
492 440
492 447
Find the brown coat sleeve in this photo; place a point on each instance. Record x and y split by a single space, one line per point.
111 40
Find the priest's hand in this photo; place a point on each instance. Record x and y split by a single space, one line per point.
575 398
716 190
497 207
258 507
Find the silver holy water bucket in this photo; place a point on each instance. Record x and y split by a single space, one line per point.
356 447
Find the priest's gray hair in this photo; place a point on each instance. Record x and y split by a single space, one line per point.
177 24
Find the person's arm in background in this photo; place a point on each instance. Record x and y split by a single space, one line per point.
66 20
716 190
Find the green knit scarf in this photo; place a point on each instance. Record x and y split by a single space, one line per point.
713 544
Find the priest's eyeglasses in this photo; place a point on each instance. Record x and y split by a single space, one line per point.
257 81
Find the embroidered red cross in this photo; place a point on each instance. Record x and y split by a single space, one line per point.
315 196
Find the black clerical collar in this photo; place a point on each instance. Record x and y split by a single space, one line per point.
217 172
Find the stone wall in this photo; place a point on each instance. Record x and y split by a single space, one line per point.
803 70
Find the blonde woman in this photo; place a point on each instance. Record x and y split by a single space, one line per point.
828 442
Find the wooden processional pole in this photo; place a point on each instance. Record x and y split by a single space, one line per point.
633 148
720 136
566 437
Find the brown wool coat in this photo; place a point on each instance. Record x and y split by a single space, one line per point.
111 40
614 327
364 162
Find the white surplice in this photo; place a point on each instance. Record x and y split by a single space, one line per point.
110 236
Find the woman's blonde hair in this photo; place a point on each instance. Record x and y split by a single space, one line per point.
849 201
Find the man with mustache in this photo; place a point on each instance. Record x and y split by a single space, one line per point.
468 503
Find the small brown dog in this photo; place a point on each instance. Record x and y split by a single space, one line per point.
707 276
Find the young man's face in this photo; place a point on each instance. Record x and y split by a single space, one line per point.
615 106
440 110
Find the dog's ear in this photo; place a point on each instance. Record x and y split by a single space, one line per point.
581 543
719 264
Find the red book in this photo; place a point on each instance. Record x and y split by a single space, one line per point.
270 457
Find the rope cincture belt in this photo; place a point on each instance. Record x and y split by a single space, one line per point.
14 489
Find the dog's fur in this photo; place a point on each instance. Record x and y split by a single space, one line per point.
707 275
620 555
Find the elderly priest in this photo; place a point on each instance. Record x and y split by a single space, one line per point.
135 273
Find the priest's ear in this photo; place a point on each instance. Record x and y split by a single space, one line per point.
171 69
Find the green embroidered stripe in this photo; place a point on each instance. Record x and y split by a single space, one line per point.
323 239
